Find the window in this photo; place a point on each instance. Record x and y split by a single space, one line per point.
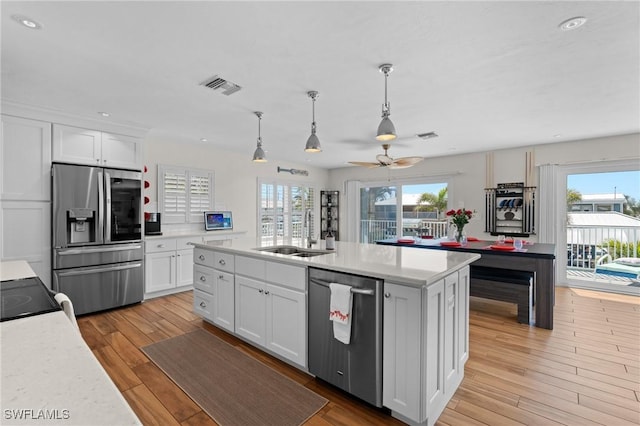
184 194
281 213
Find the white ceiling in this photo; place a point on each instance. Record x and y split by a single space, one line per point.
483 75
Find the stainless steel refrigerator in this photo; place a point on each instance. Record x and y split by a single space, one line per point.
98 256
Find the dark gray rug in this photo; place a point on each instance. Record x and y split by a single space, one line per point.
230 386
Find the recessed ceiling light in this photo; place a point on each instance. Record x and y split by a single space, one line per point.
557 136
573 23
26 21
203 139
104 114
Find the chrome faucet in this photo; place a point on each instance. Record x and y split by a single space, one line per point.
307 223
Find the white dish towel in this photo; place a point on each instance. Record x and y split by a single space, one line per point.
340 311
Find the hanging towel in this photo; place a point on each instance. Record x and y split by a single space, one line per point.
340 311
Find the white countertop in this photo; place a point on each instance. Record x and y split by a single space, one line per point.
403 265
48 373
15 270
201 235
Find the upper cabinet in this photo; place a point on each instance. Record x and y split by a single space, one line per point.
94 148
25 156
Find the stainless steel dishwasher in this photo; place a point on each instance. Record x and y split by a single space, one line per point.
357 367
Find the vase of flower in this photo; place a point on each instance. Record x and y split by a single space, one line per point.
459 218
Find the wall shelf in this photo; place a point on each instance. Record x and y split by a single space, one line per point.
329 208
510 210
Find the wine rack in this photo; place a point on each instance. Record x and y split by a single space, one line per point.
510 210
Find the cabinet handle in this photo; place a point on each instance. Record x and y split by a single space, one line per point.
202 278
266 292
203 305
97 160
387 295
160 245
222 262
201 257
260 291
221 277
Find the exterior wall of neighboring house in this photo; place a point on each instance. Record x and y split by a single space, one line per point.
600 203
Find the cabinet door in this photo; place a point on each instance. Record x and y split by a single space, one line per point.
451 329
184 267
463 317
286 323
76 145
121 151
401 350
224 301
25 156
25 234
160 271
434 351
250 309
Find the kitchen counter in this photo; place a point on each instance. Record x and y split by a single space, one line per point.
397 264
50 376
198 235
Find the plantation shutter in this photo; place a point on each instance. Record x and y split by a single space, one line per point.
186 194
174 184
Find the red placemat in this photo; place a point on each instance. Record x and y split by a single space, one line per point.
473 239
504 248
406 240
450 243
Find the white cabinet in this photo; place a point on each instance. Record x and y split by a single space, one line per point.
425 346
214 292
168 266
401 349
25 193
95 148
271 307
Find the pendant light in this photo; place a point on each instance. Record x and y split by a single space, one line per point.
258 155
386 129
313 143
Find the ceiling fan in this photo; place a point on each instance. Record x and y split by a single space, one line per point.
383 160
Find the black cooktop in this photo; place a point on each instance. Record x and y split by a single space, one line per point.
24 298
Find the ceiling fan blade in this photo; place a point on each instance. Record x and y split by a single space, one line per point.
365 164
405 162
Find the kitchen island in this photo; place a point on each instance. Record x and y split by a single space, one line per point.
49 374
261 297
535 258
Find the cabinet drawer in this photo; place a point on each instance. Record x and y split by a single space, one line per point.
287 275
155 246
251 267
183 242
204 278
223 261
203 304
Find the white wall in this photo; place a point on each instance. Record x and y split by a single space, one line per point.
236 175
469 170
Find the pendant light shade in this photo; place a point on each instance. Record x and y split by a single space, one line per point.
258 155
386 129
313 143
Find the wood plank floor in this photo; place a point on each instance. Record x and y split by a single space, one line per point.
584 372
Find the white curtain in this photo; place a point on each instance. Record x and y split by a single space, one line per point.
352 204
548 203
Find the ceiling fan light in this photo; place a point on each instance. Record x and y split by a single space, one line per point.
386 130
313 144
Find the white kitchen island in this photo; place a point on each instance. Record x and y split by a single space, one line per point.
425 321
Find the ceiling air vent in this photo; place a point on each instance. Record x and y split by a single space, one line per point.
218 83
428 135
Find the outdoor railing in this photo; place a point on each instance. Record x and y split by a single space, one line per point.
373 230
587 244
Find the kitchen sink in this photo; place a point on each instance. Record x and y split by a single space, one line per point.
294 251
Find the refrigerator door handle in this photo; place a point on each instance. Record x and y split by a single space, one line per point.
101 206
107 209
98 250
86 271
